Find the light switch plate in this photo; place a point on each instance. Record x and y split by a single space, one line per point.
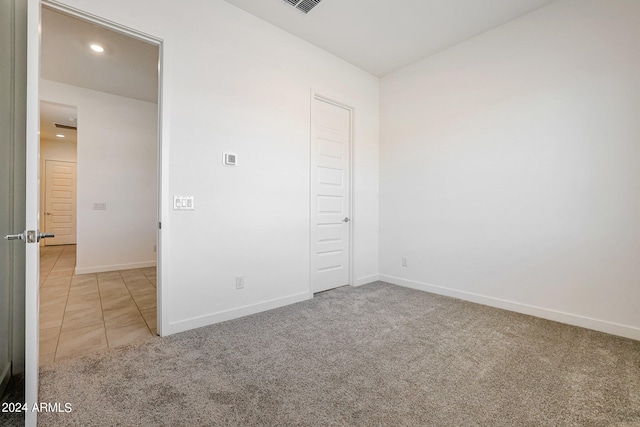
230 159
183 203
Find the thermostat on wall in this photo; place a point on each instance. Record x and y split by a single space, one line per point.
229 159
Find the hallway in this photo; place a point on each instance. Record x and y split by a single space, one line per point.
84 314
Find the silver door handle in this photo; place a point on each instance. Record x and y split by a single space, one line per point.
34 236
14 236
346 219
30 236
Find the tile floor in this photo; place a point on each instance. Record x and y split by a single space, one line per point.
82 314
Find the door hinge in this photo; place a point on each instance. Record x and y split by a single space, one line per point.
159 226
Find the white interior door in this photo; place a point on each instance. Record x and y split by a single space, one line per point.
32 208
60 202
330 195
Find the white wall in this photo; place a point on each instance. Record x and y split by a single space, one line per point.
509 167
64 151
117 164
232 82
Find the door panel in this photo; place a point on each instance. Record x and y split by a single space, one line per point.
330 195
60 202
32 207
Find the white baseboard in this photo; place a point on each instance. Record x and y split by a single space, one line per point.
545 313
114 267
367 279
210 319
5 376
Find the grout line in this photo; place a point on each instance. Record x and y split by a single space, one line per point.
64 311
104 321
134 300
100 296
51 269
64 314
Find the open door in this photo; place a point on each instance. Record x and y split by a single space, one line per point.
11 190
31 235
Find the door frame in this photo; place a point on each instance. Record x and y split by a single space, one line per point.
332 98
162 157
34 8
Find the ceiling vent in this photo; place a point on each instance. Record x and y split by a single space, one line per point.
303 5
59 126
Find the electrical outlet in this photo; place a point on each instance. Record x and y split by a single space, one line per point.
100 206
239 282
405 261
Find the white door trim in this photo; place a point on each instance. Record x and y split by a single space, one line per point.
102 22
328 97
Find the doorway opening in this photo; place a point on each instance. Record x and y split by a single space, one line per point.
58 172
99 282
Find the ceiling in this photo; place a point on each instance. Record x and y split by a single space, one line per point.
50 114
381 36
127 67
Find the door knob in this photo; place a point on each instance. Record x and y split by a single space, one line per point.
346 219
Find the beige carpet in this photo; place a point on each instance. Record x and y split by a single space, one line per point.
378 355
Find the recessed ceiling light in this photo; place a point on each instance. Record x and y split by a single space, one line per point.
60 135
97 48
